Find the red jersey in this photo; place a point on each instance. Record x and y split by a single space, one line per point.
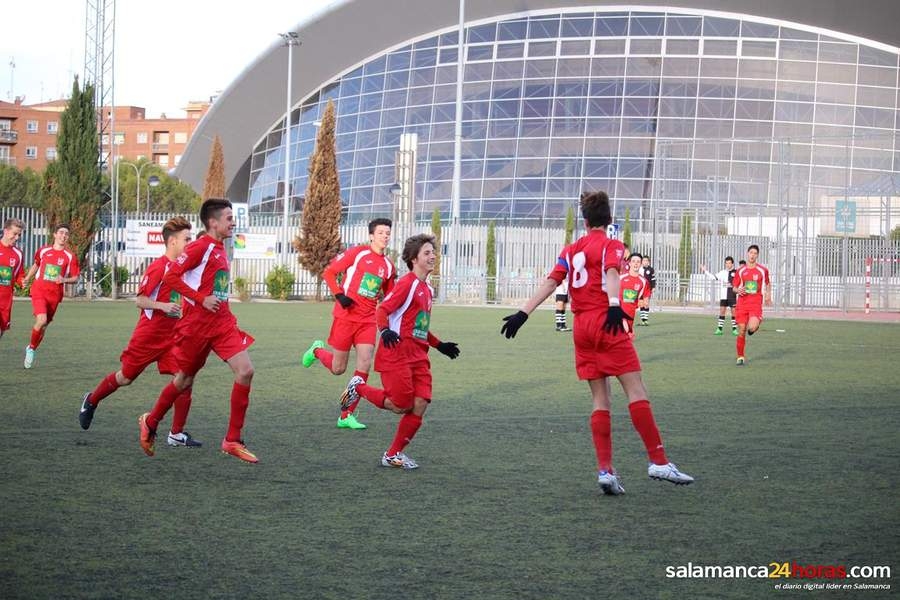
367 275
753 279
585 262
631 289
153 323
407 310
52 264
202 270
11 272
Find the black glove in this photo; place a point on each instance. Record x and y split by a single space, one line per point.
343 300
512 324
614 317
389 338
448 349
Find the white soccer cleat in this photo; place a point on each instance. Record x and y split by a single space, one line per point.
669 472
398 461
29 357
182 439
350 395
609 483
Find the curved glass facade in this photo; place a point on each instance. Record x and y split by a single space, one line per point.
557 103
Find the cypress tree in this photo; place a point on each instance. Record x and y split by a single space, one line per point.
570 225
626 232
320 238
491 256
685 251
436 232
72 183
214 185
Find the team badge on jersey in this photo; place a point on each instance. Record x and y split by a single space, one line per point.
751 287
629 295
220 285
369 285
6 276
420 328
51 272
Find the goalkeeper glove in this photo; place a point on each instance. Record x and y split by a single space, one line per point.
614 320
450 349
512 324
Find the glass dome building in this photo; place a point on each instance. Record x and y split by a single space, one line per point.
559 97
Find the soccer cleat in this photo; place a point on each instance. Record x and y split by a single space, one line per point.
718 331
563 329
238 450
29 357
350 395
309 357
609 483
740 361
669 472
148 435
349 422
734 331
182 439
398 461
86 414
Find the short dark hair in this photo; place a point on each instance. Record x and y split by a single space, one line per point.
647 256
379 221
727 258
752 246
412 247
62 226
173 226
742 262
211 209
638 254
595 208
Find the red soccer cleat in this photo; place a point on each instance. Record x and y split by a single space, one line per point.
148 435
238 450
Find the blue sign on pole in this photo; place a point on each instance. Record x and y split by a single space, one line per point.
845 216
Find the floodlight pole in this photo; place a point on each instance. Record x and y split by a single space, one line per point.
291 39
457 157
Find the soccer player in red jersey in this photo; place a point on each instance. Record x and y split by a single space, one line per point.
751 284
633 288
201 275
11 273
367 275
153 338
404 318
602 347
54 265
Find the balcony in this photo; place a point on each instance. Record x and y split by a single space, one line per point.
8 136
161 147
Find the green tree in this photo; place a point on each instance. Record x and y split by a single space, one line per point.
21 188
570 225
685 255
320 238
72 183
170 195
626 231
491 257
436 232
214 185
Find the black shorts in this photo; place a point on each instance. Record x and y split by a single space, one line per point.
728 302
562 297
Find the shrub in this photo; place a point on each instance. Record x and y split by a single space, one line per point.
279 282
242 286
106 282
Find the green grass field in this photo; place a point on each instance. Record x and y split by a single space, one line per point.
796 458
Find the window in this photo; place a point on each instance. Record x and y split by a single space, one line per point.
142 138
31 126
118 139
52 126
31 152
5 124
162 160
51 153
180 137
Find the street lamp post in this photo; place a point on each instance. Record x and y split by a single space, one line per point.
137 173
152 182
291 39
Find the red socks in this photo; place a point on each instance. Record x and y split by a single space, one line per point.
602 434
163 404
373 394
741 344
325 357
240 400
182 408
644 423
406 430
37 335
104 389
352 407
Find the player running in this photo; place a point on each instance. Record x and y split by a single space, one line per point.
727 297
11 273
404 318
366 274
648 273
633 288
54 266
602 348
751 284
153 338
201 275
